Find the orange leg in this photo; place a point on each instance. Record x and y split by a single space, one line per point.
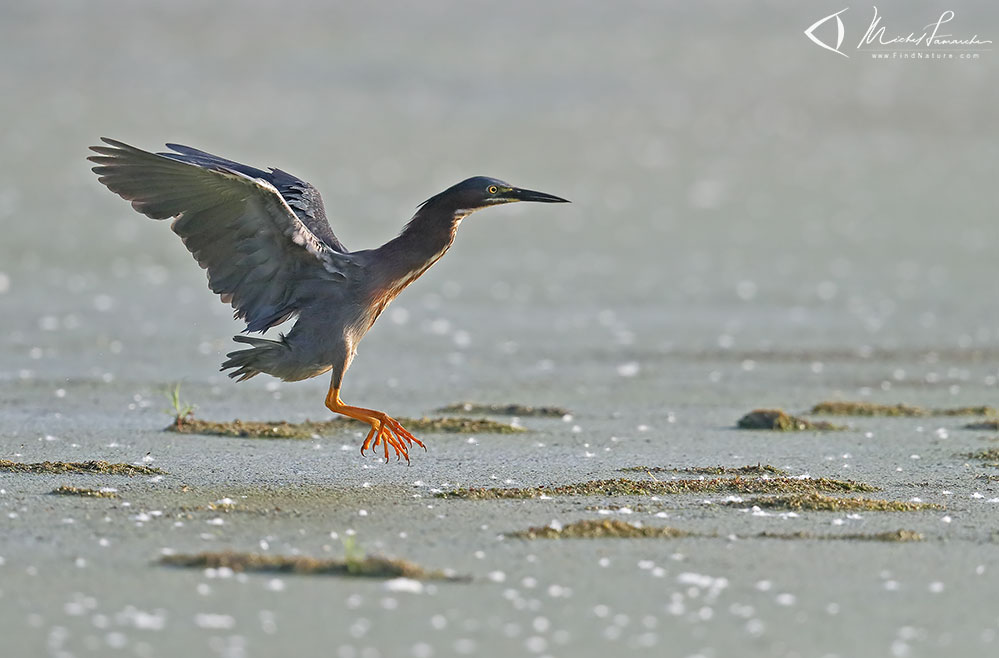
385 430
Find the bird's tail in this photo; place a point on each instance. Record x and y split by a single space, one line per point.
263 356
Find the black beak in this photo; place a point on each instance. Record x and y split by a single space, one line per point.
517 194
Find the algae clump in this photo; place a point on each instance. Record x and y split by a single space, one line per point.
625 487
888 536
364 567
777 420
283 429
599 530
613 529
67 490
757 469
504 410
836 408
867 409
983 425
820 502
94 466
986 455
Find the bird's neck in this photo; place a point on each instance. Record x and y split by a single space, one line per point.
421 243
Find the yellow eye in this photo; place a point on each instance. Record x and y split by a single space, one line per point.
492 189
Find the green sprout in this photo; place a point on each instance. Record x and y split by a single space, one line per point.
181 411
353 555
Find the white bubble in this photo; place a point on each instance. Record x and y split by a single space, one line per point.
216 621
103 303
746 290
629 369
785 599
407 585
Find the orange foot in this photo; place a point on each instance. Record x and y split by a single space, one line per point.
385 430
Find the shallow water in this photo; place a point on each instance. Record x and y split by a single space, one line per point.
756 222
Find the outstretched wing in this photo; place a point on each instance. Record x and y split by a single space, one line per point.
301 197
261 257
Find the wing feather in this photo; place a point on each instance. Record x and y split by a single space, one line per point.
304 199
256 249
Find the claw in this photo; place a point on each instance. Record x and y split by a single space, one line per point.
367 440
385 434
385 430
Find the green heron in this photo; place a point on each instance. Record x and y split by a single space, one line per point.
269 251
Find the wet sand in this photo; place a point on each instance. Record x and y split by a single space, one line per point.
85 569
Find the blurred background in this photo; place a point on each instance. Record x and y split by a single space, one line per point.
736 188
756 221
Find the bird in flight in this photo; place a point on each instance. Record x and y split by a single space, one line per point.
270 252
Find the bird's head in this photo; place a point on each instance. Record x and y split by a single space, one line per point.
482 192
